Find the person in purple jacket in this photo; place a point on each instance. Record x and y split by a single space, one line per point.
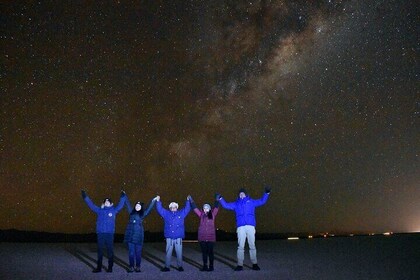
105 227
244 208
207 232
174 230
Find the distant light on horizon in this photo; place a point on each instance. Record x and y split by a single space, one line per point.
293 238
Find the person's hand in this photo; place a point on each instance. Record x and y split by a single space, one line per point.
267 189
84 193
123 193
157 198
189 198
218 196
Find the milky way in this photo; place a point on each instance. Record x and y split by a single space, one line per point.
318 100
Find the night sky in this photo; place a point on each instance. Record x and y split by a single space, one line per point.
318 99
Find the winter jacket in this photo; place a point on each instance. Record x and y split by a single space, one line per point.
105 222
206 229
174 221
245 209
134 232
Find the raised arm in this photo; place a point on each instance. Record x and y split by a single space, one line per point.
194 207
122 202
187 207
128 204
150 207
215 209
89 202
159 207
226 205
264 198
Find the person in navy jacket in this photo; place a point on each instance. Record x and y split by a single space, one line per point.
174 230
134 233
244 208
105 227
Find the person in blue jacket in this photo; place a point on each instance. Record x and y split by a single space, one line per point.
174 230
244 208
105 227
134 233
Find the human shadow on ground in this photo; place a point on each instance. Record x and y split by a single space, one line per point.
227 260
92 262
83 257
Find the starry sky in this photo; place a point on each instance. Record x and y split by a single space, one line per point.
318 99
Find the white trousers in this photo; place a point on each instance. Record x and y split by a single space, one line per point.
244 233
170 244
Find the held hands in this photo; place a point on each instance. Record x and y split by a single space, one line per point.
123 193
157 198
267 189
84 194
190 198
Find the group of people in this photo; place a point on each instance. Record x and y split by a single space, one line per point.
174 229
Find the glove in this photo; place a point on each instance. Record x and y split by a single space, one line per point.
267 189
193 206
218 196
84 194
123 193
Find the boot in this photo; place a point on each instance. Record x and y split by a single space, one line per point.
204 268
96 270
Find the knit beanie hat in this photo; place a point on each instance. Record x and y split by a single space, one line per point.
173 204
242 190
207 206
107 199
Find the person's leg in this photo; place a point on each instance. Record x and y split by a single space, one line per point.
210 246
131 252
109 243
241 231
140 249
169 249
204 253
100 244
250 235
178 251
252 248
138 255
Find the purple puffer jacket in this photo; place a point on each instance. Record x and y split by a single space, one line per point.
206 229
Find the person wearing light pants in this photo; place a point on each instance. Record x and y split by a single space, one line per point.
174 230
244 208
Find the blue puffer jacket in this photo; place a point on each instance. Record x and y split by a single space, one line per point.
174 221
134 233
105 222
245 209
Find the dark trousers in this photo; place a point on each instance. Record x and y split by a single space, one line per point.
134 251
207 251
106 240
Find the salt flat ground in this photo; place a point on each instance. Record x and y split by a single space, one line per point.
359 257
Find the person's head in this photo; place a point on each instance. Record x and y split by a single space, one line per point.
173 206
206 208
138 206
107 202
242 193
